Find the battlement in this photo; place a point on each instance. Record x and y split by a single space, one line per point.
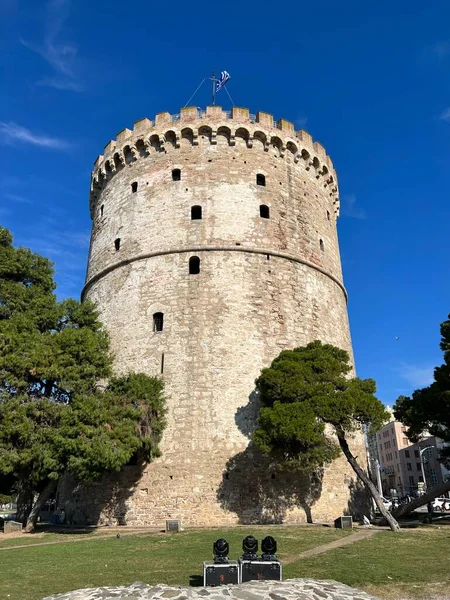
254 130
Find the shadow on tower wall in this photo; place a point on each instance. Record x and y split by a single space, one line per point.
359 503
100 503
256 488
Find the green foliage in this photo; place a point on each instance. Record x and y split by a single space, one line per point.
428 409
54 416
302 392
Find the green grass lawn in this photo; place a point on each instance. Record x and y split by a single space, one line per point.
412 564
387 565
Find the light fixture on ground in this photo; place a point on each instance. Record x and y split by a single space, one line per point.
222 571
268 548
221 550
249 548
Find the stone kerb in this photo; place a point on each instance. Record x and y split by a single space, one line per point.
150 136
290 589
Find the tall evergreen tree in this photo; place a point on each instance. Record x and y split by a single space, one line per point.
304 392
54 414
428 409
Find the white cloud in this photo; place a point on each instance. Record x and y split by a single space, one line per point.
300 121
417 375
349 208
445 115
11 133
62 57
15 198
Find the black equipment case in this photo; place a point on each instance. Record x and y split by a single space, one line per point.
260 569
220 573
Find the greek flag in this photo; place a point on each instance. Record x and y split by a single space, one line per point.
224 77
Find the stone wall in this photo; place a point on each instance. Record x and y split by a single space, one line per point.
265 284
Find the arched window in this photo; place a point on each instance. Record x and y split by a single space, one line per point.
194 265
176 174
322 246
117 244
196 213
158 321
260 179
264 211
134 187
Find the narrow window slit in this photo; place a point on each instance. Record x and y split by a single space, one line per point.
264 211
194 265
196 213
158 321
117 244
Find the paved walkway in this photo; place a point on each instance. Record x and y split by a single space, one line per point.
350 539
80 538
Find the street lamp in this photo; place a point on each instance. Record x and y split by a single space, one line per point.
422 460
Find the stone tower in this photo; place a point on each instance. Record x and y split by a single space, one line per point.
214 247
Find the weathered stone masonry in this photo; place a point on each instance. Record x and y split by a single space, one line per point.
270 278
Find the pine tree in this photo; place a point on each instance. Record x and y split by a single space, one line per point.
304 391
54 414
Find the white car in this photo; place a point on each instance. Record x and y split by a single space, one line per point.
441 504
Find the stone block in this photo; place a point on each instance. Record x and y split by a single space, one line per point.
12 527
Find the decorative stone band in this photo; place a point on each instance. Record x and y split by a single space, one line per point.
127 261
151 137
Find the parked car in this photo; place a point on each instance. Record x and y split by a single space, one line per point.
441 504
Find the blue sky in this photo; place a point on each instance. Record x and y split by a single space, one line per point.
370 80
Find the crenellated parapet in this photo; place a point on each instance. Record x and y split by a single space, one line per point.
255 131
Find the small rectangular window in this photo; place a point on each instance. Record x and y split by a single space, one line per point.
117 244
409 466
260 179
419 466
264 211
196 213
158 321
134 187
176 175
194 265
407 453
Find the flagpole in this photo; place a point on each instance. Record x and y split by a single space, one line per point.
213 88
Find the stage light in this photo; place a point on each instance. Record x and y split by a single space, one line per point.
249 547
220 551
268 548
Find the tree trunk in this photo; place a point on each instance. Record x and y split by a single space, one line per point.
42 499
435 492
366 481
24 502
